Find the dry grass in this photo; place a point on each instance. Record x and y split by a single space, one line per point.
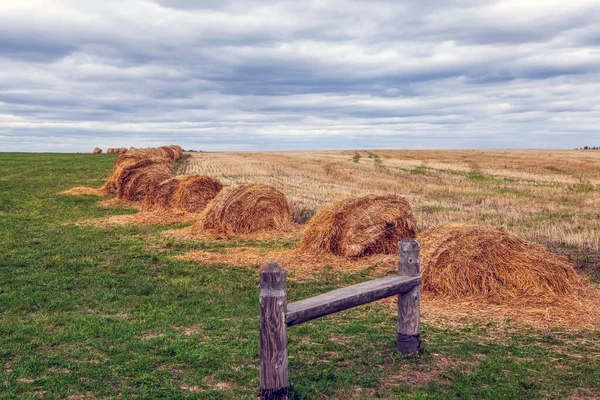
360 226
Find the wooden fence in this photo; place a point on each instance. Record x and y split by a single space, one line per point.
276 315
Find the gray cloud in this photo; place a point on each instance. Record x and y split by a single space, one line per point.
282 75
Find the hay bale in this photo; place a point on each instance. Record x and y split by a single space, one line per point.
142 177
123 150
97 150
188 193
245 209
122 162
491 264
169 152
178 149
360 226
148 152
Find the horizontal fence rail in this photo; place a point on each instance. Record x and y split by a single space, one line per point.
348 297
276 315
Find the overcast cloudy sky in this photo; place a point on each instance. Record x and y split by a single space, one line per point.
252 75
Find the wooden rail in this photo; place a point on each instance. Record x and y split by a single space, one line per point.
276 315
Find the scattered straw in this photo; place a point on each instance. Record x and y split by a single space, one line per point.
82 191
160 217
355 227
305 265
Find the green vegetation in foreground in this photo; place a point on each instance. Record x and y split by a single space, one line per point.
356 157
108 313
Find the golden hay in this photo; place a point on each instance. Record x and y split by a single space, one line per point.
142 177
177 148
147 152
97 150
245 209
189 193
305 265
471 261
156 217
169 152
361 226
122 162
123 150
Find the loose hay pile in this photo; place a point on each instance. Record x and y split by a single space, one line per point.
245 209
142 177
188 193
361 226
470 261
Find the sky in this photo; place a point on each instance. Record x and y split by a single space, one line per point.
224 75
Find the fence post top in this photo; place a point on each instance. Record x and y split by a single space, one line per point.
409 244
272 276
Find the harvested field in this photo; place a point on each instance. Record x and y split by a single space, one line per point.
546 196
360 226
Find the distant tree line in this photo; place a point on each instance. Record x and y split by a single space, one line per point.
589 148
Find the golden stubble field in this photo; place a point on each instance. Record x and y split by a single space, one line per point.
548 196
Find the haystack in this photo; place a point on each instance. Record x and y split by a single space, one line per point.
123 150
245 209
148 152
169 152
97 150
360 226
178 149
471 261
122 162
142 177
189 193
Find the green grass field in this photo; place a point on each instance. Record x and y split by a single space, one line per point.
99 313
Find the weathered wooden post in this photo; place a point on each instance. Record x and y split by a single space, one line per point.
273 334
409 331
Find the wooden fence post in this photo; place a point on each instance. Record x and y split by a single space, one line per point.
409 331
273 334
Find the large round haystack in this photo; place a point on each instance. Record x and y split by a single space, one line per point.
142 177
178 149
492 264
97 150
169 152
148 152
360 226
189 193
123 150
246 209
122 162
